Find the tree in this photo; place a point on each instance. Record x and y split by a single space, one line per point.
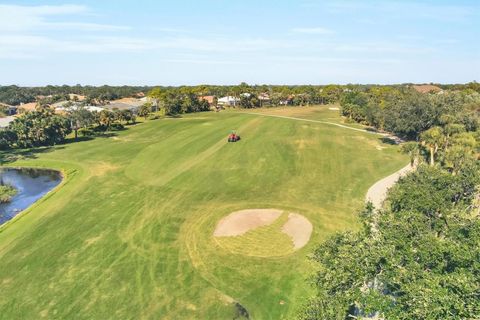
8 138
106 118
79 117
420 262
249 101
39 128
144 110
128 116
461 151
413 150
432 138
157 95
410 115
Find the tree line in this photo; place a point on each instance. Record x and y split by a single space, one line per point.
43 127
299 94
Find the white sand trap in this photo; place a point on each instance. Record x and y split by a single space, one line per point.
299 229
333 108
239 222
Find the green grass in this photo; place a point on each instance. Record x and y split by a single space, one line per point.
128 234
265 241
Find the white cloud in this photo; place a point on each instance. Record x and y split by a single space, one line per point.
314 30
22 46
15 18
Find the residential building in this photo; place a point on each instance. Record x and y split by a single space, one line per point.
228 101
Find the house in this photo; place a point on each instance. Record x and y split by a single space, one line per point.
27 107
4 122
427 88
9 110
41 97
131 104
228 101
209 99
264 99
61 110
287 101
120 106
61 104
76 97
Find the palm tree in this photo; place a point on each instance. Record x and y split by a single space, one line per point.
432 138
106 118
412 149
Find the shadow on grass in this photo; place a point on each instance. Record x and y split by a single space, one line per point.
78 139
9 156
387 140
12 155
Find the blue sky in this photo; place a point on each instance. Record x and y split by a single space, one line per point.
230 41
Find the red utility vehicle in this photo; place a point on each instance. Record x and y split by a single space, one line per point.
233 137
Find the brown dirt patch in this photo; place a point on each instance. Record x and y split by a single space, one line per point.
239 222
100 168
299 229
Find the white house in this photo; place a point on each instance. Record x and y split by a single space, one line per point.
74 107
228 101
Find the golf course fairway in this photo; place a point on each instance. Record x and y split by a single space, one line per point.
129 232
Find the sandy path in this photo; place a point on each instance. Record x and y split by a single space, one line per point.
378 192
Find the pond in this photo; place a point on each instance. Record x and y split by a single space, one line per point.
31 185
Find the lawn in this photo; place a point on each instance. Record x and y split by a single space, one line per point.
129 233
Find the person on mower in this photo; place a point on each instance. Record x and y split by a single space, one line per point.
233 137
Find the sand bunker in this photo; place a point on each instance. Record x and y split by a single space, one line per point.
239 222
297 227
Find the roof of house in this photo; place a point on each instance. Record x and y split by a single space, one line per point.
209 99
74 107
228 99
28 106
427 88
79 97
134 102
120 106
4 122
264 96
60 103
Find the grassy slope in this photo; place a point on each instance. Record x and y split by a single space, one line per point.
129 233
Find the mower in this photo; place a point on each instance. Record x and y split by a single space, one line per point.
233 137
